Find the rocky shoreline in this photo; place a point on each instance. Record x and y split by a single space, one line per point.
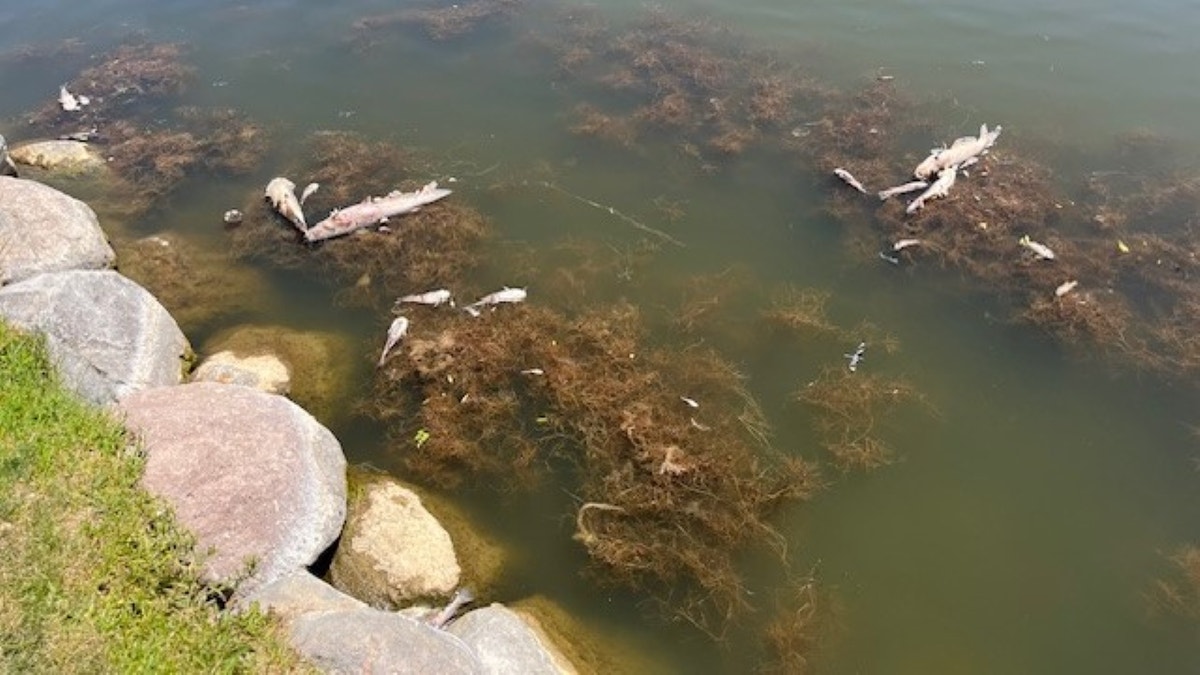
259 482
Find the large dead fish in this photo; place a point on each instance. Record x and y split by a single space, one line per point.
396 332
373 210
282 193
940 188
960 151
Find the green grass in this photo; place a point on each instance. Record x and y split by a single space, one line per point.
94 574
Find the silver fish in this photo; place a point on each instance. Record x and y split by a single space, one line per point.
849 179
960 151
396 332
431 298
859 355
67 100
940 188
282 193
504 295
372 211
905 243
1039 249
1065 287
915 185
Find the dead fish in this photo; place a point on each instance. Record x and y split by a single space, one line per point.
308 191
502 296
1039 249
396 332
849 180
67 100
1065 287
940 188
430 298
905 243
691 402
960 151
915 185
282 193
462 596
533 371
857 357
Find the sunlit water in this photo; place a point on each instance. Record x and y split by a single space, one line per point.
1025 519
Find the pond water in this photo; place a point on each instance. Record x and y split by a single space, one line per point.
1032 502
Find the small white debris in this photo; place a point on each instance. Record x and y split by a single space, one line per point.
533 371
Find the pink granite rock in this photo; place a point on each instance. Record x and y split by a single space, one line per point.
252 475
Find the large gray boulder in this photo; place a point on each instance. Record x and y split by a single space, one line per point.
251 475
106 335
375 641
44 230
393 551
505 644
339 634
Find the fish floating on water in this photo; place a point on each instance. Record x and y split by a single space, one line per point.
505 295
430 298
1065 287
396 332
282 194
850 180
857 357
1039 249
308 191
940 188
372 211
69 101
962 150
915 185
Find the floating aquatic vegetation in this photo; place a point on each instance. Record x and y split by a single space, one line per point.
130 74
800 629
445 22
669 492
429 248
801 310
1178 594
849 407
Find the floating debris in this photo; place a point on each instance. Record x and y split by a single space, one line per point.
232 217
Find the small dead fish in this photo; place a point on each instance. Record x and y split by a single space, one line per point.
430 298
308 191
502 296
905 243
860 354
913 186
67 100
849 179
1065 287
1039 249
396 332
462 596
691 402
533 371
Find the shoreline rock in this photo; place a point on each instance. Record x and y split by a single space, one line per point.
44 230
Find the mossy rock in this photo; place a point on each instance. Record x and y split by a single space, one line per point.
199 287
321 370
478 561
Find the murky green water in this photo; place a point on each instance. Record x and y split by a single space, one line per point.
1025 519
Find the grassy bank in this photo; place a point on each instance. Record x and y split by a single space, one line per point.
94 575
